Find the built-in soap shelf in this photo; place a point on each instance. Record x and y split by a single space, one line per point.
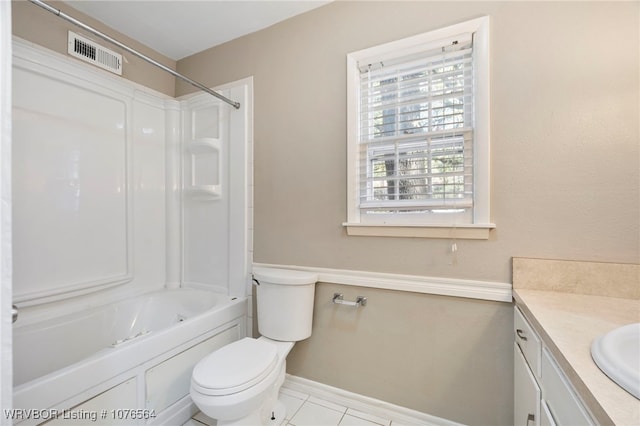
204 163
203 192
203 145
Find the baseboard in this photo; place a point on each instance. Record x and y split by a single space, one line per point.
382 409
177 414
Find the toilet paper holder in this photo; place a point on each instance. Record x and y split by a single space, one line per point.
338 298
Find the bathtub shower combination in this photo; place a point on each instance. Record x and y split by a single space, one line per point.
130 241
107 354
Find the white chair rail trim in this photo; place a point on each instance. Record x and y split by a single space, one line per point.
473 289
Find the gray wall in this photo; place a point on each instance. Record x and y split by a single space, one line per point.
445 356
38 26
564 155
564 133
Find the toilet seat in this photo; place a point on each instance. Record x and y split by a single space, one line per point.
235 367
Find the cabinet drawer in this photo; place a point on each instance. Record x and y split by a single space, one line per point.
528 341
564 406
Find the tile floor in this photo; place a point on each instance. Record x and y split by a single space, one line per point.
308 410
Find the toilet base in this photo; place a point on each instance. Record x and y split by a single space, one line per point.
278 414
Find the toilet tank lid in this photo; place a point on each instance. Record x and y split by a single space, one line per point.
284 276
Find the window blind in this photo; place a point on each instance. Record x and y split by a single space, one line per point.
416 131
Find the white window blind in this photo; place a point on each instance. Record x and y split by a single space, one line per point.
416 128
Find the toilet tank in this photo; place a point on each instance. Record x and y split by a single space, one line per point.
284 303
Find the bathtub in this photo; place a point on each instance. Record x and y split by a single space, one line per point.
124 363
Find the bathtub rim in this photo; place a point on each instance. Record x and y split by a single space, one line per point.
33 314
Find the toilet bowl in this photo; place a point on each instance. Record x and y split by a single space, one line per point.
239 383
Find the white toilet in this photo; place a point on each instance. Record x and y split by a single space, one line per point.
239 383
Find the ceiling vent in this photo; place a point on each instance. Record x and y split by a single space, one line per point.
91 52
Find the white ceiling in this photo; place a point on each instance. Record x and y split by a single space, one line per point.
179 28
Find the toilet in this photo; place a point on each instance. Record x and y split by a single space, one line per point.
239 383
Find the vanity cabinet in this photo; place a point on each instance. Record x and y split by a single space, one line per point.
543 396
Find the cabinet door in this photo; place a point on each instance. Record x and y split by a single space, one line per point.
564 406
526 407
546 419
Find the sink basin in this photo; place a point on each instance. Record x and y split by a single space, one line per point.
617 354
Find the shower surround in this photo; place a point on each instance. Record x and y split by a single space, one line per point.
120 192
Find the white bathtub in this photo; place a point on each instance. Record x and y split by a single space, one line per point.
129 359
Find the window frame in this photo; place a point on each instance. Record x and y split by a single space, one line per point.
408 225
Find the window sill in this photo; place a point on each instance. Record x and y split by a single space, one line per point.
461 232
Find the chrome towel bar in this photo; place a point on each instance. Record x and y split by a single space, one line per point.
338 298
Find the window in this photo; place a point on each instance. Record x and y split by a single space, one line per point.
418 134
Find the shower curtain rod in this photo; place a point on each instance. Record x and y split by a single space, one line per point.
92 30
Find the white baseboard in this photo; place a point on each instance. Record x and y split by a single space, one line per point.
179 413
395 413
473 289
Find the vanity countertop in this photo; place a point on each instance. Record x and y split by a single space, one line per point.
567 323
